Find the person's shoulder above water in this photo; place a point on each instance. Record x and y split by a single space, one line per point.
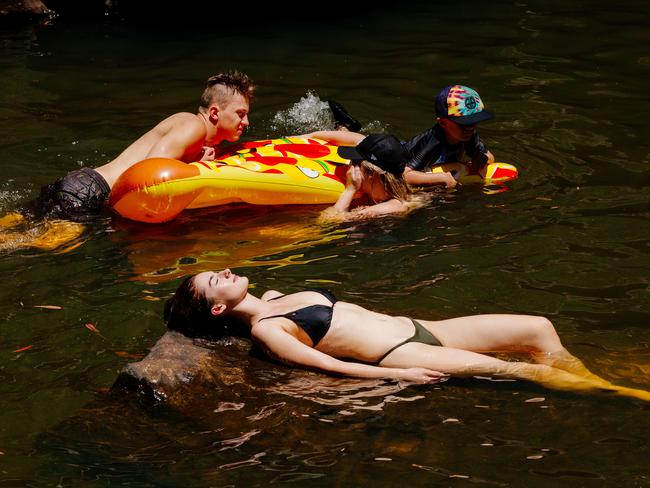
222 115
416 145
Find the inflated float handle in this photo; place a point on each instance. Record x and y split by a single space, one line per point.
143 191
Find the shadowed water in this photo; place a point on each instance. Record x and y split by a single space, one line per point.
570 240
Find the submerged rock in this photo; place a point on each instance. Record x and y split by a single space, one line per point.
179 370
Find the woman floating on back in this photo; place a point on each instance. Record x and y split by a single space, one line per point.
312 329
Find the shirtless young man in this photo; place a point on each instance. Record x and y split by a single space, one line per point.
222 116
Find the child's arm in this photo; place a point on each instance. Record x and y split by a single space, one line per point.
342 205
480 160
419 178
341 209
383 209
479 154
338 137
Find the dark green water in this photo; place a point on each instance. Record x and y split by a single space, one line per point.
571 240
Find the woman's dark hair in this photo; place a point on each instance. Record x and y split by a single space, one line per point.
188 312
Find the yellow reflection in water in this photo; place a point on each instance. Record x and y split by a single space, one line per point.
163 255
16 232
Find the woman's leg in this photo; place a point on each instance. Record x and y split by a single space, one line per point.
458 362
496 332
509 333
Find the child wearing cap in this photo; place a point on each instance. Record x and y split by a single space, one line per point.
452 139
375 185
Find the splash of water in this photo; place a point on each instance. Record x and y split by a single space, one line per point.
9 198
310 113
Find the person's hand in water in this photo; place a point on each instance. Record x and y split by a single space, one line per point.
449 181
422 375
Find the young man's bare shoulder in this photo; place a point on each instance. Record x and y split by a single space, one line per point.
177 119
183 118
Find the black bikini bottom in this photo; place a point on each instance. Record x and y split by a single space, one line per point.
421 335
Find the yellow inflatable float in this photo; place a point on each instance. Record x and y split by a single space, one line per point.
270 172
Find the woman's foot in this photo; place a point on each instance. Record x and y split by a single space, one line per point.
566 361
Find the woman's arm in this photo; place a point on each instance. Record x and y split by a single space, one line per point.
283 346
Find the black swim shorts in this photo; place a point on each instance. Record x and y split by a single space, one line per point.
77 196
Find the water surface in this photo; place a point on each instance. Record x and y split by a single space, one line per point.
569 240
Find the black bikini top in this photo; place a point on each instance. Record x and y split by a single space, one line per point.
315 320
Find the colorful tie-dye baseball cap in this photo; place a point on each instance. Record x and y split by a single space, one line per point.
462 105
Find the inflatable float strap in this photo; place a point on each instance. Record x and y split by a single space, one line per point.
270 172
